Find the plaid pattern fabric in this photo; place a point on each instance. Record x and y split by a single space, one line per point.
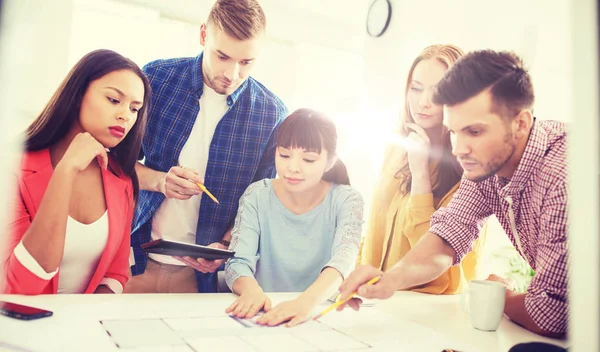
242 149
532 209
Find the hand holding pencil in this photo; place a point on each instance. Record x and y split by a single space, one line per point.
183 183
339 302
358 283
200 183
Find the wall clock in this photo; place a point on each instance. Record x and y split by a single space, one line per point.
378 17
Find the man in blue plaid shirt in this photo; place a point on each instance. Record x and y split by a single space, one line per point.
210 123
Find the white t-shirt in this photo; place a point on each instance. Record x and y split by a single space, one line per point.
177 219
84 245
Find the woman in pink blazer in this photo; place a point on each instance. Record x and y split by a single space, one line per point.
77 186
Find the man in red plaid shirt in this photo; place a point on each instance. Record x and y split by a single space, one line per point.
514 168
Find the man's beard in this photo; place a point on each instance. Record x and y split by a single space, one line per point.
215 83
215 86
499 160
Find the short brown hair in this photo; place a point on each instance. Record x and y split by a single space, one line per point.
240 19
500 72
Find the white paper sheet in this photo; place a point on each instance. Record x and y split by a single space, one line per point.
204 323
278 342
141 333
189 309
310 325
220 344
331 340
177 348
367 330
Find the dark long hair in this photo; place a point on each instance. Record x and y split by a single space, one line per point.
62 111
449 171
312 130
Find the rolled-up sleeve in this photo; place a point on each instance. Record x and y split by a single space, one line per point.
29 262
245 237
20 274
546 298
459 222
114 285
348 233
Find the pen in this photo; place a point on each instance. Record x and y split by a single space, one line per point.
340 302
203 188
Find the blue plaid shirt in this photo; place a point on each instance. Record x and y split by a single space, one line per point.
242 149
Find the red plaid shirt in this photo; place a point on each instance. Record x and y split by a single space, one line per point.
532 209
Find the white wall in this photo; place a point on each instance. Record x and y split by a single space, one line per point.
35 55
537 30
584 243
33 61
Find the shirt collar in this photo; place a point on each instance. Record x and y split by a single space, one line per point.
198 81
532 156
197 78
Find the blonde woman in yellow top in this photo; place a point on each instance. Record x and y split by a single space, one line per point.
419 175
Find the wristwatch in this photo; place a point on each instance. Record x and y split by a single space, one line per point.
225 243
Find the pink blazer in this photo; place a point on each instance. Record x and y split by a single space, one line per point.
36 171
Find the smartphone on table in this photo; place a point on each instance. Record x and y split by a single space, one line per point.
22 312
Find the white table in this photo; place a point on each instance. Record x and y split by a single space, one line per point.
75 324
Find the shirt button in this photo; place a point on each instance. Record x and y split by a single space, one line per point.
544 294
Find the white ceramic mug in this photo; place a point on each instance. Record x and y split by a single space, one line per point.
484 302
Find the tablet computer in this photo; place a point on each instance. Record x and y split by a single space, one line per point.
180 249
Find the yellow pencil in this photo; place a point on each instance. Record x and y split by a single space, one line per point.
203 188
340 302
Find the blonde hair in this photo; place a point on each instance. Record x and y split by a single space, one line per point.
240 19
448 170
446 54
